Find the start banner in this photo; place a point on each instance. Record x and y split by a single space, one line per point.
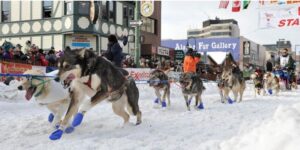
280 18
139 73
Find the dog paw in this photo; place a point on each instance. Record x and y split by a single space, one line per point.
56 134
270 91
201 106
163 104
77 119
50 117
156 101
230 101
69 129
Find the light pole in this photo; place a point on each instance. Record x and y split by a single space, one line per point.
137 34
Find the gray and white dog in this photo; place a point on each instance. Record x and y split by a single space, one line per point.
160 82
192 85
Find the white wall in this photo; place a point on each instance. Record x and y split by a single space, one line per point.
25 11
57 9
37 7
119 13
15 10
37 40
47 42
58 42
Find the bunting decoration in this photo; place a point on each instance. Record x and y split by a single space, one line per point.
236 6
224 4
246 4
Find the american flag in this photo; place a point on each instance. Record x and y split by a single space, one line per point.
224 4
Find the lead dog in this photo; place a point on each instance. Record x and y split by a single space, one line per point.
232 82
258 84
46 92
160 82
101 80
191 85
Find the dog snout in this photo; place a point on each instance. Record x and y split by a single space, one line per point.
20 87
57 79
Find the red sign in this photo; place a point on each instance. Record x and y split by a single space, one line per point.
288 22
10 67
236 6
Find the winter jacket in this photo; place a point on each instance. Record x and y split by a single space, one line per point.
114 54
269 66
189 64
286 62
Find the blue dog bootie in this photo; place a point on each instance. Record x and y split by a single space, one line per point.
56 134
190 100
230 101
69 129
50 117
270 91
77 120
201 106
156 101
163 104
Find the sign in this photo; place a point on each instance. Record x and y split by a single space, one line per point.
10 67
147 8
231 45
135 23
139 74
279 18
179 54
163 51
81 41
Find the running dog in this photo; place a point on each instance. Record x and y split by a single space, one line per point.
271 83
258 85
160 82
88 74
46 92
232 82
192 85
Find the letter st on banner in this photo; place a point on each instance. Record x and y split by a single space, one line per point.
280 18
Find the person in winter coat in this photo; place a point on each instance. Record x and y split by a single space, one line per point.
285 61
114 51
189 62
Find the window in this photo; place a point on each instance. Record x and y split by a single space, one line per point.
125 16
47 8
104 11
5 11
149 25
84 7
68 7
111 10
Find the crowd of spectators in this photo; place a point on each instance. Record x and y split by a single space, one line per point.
30 54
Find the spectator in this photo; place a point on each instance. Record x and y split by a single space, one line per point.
41 58
51 57
114 51
27 47
1 53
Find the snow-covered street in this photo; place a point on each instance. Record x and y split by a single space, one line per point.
264 122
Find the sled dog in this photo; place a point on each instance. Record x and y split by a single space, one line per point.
232 82
258 85
46 92
271 83
160 82
192 85
101 80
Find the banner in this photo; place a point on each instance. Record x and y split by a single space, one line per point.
236 6
10 67
224 4
139 73
280 18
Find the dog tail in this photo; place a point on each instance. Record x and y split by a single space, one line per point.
133 95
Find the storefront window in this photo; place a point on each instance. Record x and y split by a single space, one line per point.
111 9
149 25
104 11
5 11
125 16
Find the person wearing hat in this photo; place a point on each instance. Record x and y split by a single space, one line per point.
189 62
286 62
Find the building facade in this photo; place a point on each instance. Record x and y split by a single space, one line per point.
71 23
216 29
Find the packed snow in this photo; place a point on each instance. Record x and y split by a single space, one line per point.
261 123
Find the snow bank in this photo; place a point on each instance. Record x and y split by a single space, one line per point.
11 91
282 132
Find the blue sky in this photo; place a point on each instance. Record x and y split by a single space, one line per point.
179 16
